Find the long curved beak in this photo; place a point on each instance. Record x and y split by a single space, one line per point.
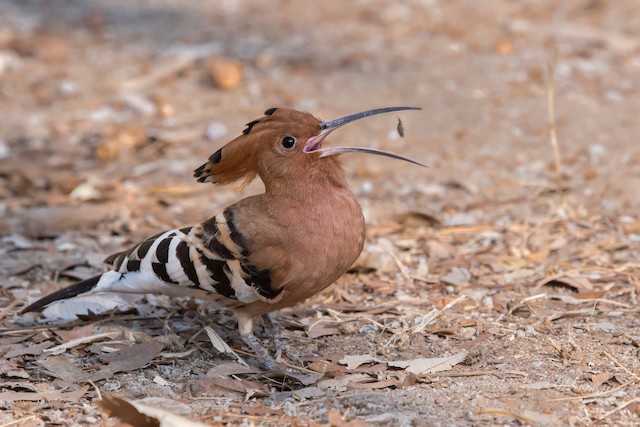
314 144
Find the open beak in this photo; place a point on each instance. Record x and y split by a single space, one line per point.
314 144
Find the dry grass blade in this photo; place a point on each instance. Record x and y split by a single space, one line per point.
553 137
619 408
520 304
270 420
621 366
431 317
20 421
594 395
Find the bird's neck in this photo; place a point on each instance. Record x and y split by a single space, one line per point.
324 177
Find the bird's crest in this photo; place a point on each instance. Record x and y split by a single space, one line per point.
236 160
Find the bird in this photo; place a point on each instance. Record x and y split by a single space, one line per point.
264 252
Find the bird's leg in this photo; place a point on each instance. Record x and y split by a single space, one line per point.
252 342
274 328
245 326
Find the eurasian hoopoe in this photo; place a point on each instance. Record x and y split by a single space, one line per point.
264 252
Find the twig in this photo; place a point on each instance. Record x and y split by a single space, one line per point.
20 421
621 366
430 317
8 308
263 418
619 408
520 304
288 365
506 413
553 137
497 373
97 389
589 396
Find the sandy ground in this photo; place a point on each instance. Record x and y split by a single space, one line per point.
494 288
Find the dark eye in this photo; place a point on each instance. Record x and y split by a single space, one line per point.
288 142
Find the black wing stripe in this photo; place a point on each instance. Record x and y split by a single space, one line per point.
215 267
260 280
143 248
110 260
161 271
235 235
208 237
182 253
219 249
162 251
119 260
133 265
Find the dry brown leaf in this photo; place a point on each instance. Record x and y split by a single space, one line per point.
128 359
322 328
226 384
226 369
575 283
61 367
601 378
353 361
140 415
220 345
414 219
429 365
113 406
75 333
49 396
33 350
59 349
324 366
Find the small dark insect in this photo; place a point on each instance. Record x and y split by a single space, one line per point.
400 128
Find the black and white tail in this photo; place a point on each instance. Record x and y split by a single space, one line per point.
209 261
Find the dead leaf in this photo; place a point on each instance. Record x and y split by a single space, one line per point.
353 361
59 349
429 365
140 415
322 329
576 283
61 367
219 385
128 359
49 396
33 350
75 333
324 366
113 406
341 384
220 345
226 369
414 219
601 378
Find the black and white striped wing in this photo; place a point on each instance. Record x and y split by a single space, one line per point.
211 260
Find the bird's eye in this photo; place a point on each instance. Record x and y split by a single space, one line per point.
288 142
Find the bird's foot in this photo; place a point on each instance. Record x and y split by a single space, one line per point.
274 329
268 362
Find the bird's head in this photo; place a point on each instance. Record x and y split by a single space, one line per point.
283 142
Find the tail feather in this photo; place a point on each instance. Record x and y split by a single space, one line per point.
65 293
